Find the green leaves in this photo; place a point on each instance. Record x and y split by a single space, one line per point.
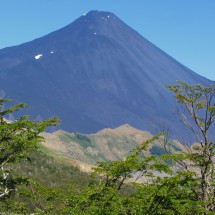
199 101
16 139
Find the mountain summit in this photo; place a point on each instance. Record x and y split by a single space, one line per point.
97 72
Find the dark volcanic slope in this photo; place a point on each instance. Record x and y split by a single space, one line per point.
96 72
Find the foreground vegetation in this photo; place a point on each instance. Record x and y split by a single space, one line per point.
175 182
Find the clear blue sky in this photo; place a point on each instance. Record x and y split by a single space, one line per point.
185 29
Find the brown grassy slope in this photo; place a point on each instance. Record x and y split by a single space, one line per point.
107 144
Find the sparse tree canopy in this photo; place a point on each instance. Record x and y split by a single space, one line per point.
199 102
16 138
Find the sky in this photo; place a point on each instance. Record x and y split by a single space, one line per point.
184 29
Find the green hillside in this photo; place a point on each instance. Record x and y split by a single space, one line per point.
106 145
50 169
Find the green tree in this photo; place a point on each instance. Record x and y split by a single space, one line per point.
16 139
154 185
199 115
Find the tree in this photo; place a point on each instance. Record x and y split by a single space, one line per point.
169 192
199 115
16 139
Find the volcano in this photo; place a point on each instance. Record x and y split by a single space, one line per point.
95 73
